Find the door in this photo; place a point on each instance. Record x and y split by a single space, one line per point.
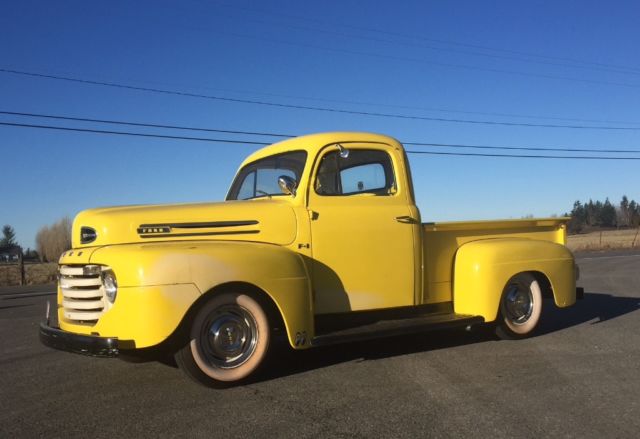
362 233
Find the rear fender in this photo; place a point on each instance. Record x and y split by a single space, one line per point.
483 268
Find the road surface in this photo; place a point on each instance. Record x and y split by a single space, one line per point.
579 377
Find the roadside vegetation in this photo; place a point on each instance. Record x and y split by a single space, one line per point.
602 225
597 215
53 240
605 240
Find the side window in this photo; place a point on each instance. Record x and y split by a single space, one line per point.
248 186
364 171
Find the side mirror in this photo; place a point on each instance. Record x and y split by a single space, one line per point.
287 185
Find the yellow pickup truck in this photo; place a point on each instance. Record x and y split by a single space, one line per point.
319 241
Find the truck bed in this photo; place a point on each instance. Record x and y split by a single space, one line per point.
442 240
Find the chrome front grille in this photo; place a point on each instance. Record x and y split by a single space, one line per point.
83 296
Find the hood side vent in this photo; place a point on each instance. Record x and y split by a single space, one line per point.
87 235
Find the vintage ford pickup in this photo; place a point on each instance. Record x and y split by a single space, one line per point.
319 241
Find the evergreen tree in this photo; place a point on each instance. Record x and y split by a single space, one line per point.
624 218
578 218
634 214
592 213
607 214
8 236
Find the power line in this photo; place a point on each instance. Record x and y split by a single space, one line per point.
379 31
520 57
139 124
306 107
424 61
471 154
521 148
254 133
250 142
431 109
127 133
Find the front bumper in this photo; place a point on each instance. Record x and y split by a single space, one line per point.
90 345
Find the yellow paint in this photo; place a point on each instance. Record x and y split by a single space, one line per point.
483 268
362 255
146 315
310 253
442 241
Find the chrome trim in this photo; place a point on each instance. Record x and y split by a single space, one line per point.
229 337
87 235
84 298
344 153
287 185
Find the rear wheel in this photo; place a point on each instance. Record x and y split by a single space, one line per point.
228 341
520 307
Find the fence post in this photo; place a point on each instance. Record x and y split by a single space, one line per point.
21 267
600 239
633 244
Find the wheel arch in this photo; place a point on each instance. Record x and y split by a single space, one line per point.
545 284
270 307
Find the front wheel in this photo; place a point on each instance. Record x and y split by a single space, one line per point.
228 341
520 307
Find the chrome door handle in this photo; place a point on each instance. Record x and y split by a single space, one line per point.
406 219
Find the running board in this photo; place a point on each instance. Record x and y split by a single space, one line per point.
389 328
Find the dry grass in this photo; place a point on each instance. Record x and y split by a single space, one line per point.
604 240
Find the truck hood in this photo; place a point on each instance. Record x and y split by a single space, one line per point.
262 220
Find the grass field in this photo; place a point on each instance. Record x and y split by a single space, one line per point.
604 240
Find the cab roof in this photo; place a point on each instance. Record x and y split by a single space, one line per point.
312 143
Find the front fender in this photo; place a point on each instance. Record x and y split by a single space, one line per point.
483 268
276 270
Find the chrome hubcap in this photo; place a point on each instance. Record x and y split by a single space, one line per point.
229 336
518 303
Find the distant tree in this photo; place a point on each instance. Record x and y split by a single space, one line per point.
634 214
54 240
578 218
623 213
8 236
31 254
592 213
607 214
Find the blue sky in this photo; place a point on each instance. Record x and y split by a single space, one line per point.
538 62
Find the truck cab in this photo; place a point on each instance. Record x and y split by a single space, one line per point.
319 239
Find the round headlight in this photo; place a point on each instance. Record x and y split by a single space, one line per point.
110 285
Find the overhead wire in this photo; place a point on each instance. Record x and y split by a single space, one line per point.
307 107
520 57
140 124
280 135
252 142
386 31
471 154
262 38
127 133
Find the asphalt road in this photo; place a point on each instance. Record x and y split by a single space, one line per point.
580 377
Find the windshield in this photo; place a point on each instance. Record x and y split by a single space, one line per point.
260 178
